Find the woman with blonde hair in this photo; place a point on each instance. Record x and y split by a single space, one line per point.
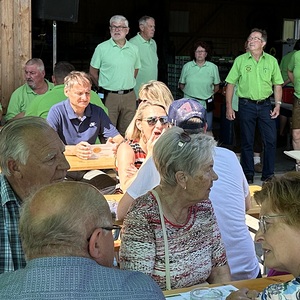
128 163
148 124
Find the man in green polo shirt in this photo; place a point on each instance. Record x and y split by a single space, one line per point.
148 52
113 68
258 77
35 85
42 104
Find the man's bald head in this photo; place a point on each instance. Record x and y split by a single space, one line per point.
59 219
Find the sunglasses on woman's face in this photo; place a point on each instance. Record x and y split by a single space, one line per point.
153 120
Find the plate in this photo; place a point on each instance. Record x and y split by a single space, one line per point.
100 150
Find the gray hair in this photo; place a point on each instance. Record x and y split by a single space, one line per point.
143 20
14 143
36 61
118 19
176 150
60 218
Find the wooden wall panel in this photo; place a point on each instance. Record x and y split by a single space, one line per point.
15 41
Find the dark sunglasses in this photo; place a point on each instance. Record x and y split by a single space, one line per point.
184 138
111 228
153 120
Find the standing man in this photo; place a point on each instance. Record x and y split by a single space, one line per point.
32 155
294 76
256 74
114 67
35 85
148 52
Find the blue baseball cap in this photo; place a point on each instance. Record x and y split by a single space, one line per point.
181 112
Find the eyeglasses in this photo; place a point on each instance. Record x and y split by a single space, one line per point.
263 221
184 138
109 228
254 38
153 120
200 51
114 28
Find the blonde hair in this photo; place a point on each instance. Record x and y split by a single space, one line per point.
133 132
156 92
77 77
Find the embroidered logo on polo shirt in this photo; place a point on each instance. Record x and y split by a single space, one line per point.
92 124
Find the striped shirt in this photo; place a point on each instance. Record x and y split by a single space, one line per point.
11 252
194 248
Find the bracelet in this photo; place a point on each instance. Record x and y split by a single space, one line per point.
278 102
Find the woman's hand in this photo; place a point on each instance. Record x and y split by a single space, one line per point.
131 170
83 150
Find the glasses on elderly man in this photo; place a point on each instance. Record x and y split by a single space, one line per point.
184 138
263 221
254 38
153 120
109 228
114 28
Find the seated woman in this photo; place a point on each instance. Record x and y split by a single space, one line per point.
171 233
279 234
148 123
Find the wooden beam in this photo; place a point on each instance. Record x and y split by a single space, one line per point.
15 41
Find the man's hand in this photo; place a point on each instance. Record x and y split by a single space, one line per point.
83 150
230 113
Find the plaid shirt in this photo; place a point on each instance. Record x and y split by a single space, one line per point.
11 252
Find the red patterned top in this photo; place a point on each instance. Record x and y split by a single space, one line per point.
194 248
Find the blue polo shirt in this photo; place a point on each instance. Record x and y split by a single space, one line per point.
72 130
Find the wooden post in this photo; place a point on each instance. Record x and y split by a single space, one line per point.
15 45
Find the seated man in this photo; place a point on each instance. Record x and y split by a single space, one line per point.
35 85
79 123
42 103
31 157
66 231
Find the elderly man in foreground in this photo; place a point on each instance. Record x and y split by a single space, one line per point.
66 231
31 157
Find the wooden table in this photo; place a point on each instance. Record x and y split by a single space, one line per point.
252 284
78 164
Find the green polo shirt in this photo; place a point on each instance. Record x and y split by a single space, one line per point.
116 65
284 65
294 66
41 105
199 81
255 79
21 98
149 61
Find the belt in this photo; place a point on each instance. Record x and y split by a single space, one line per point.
258 102
121 92
202 99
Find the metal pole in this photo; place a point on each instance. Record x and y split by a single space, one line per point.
54 43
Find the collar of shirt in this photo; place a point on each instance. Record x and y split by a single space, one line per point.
7 193
71 113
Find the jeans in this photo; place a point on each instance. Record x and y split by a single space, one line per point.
251 113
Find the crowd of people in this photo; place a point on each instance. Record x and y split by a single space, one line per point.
184 196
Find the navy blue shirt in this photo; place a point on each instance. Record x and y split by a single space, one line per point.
72 130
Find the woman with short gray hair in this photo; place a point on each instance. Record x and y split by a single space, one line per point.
171 232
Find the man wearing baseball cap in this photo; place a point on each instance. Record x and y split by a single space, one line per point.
229 195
